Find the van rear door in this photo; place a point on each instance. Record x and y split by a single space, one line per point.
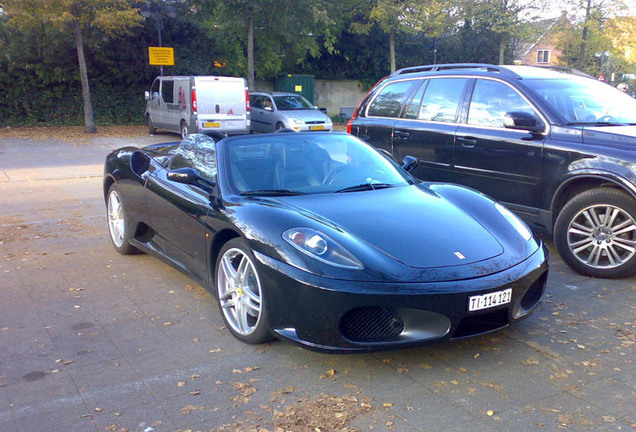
221 104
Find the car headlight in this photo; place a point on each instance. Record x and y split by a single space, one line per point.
298 121
317 245
514 220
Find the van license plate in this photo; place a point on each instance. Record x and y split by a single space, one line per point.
316 127
489 300
211 124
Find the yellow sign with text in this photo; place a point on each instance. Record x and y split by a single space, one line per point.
161 56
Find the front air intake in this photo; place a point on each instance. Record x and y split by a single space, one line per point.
371 324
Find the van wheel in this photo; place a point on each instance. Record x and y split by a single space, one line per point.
595 233
151 127
184 130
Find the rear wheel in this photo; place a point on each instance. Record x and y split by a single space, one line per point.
595 233
118 226
151 127
184 130
240 293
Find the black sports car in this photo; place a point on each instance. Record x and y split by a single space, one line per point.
324 241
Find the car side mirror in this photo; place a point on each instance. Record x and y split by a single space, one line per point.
409 163
189 176
522 120
147 95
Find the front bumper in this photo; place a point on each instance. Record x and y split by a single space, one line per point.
347 316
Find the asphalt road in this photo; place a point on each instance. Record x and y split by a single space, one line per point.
94 341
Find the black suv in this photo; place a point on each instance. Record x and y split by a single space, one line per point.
557 148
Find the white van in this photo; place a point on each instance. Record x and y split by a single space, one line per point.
198 104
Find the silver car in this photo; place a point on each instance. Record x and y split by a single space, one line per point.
272 111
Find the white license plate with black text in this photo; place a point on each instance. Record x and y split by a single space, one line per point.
490 300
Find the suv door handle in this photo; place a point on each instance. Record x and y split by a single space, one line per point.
467 142
400 134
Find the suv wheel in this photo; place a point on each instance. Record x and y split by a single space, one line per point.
595 233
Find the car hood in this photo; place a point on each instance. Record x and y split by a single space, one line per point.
614 134
413 225
305 115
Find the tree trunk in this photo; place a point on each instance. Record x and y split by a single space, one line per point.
250 51
89 121
392 49
502 48
584 38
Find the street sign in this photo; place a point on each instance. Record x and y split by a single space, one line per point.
161 56
601 77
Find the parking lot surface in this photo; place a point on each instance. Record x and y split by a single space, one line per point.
94 341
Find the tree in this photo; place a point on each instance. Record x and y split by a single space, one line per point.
114 17
261 35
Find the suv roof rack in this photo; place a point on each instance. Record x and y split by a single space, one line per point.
456 66
567 70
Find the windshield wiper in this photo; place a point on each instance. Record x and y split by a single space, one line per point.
596 123
365 186
272 192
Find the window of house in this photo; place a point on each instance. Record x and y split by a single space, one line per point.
543 56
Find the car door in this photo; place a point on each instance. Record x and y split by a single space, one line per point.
501 162
169 106
376 126
178 212
427 129
257 111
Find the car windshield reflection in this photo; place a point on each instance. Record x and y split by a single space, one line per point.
584 101
292 164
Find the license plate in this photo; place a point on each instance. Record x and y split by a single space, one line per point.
211 124
316 127
490 300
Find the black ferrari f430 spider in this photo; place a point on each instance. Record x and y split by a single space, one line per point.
324 241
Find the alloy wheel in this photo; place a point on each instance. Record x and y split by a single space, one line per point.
116 224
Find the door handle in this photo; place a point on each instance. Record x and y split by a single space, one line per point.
467 142
400 134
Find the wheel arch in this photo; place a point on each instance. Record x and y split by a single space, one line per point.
108 182
219 240
580 183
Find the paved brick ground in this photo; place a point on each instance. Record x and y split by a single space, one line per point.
94 341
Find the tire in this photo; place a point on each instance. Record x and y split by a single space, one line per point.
151 127
595 233
118 225
279 126
184 130
240 297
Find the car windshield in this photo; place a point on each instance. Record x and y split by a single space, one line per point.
585 101
317 163
292 102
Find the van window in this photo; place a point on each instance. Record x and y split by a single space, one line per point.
391 99
154 90
441 99
167 91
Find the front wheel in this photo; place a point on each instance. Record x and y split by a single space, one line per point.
595 233
240 293
117 224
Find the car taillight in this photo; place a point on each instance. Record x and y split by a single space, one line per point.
247 101
353 117
194 101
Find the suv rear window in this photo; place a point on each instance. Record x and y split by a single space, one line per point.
441 99
391 99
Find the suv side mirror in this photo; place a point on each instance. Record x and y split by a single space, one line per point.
147 95
409 163
522 120
189 176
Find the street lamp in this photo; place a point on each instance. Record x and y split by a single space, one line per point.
154 8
